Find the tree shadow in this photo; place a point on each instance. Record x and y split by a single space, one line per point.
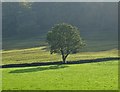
94 60
60 62
36 69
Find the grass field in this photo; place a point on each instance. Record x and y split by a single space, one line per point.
88 76
92 45
40 55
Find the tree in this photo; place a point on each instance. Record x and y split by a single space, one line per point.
65 39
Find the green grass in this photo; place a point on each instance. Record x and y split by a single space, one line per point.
88 76
94 43
40 55
92 76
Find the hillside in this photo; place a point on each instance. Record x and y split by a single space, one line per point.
90 70
27 27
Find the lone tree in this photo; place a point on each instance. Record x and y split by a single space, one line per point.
65 39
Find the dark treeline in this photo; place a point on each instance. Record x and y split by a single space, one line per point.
97 21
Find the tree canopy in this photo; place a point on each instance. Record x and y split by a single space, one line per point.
65 39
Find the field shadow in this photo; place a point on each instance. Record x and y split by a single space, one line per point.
60 62
94 60
36 69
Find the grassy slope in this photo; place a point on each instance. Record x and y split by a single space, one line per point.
95 76
95 40
102 75
40 55
92 45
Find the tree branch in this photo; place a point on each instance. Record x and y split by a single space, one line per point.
66 55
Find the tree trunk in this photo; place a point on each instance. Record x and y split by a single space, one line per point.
64 59
64 56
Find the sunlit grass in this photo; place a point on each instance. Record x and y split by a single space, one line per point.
91 76
88 76
40 54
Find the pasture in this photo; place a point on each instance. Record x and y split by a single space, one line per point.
87 76
28 28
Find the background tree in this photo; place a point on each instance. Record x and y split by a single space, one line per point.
65 39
